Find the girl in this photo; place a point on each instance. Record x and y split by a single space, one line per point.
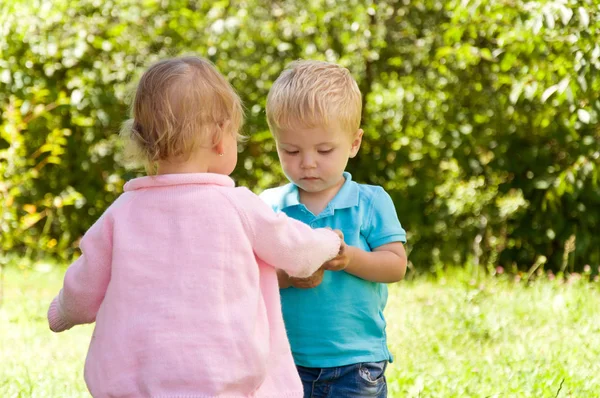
179 272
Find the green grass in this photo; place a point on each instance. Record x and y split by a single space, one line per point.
452 338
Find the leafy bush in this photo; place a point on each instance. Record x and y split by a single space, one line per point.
480 118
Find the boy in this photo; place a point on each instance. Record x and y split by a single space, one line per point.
334 320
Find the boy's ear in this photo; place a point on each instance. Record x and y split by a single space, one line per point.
356 143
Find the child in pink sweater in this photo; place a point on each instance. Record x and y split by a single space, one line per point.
179 272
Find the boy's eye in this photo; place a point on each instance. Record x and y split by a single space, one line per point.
291 152
325 151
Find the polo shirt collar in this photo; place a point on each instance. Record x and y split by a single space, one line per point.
346 197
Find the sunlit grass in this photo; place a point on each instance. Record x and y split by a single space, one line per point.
451 338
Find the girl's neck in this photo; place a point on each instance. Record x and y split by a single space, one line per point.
195 163
180 168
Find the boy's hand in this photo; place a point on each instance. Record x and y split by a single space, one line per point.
341 261
308 283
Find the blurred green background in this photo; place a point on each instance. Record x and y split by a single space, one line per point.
480 117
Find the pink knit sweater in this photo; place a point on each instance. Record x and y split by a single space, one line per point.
179 276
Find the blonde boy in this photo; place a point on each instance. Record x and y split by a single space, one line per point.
334 320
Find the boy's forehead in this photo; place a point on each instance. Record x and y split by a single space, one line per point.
305 142
314 135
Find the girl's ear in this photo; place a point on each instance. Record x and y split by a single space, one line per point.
220 131
356 143
219 148
224 127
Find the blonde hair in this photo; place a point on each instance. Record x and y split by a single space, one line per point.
309 94
180 104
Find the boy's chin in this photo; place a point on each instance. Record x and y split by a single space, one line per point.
309 186
317 185
313 187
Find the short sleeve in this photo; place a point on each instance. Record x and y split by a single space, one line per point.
383 226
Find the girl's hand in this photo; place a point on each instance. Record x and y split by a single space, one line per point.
308 283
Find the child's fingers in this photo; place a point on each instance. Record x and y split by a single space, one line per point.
336 258
300 280
340 234
334 265
306 284
297 283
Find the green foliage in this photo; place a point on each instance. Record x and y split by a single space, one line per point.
480 118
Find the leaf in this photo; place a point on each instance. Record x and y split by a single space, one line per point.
76 97
565 14
30 209
542 184
548 92
596 52
583 83
537 25
486 54
549 19
443 52
584 116
562 86
584 17
507 62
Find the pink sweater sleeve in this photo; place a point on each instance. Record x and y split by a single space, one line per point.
286 243
86 280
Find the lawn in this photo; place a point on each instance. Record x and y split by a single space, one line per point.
452 337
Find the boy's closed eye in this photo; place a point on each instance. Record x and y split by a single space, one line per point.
325 151
295 152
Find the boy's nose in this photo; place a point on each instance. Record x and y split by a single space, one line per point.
308 162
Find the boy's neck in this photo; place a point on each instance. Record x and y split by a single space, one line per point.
316 202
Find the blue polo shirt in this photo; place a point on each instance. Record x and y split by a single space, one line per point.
340 322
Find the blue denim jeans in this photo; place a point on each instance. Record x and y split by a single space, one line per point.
361 380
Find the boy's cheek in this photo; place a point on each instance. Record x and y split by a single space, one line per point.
288 169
